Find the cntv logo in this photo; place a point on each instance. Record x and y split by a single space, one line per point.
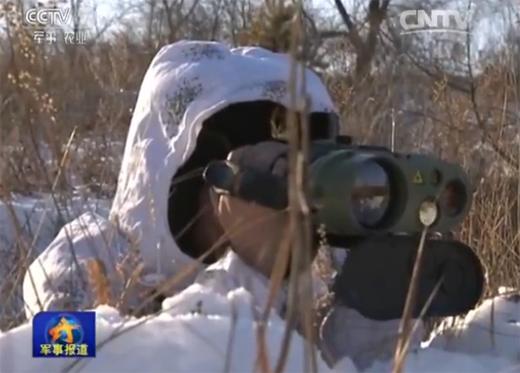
436 20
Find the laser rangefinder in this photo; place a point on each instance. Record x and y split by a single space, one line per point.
374 203
359 190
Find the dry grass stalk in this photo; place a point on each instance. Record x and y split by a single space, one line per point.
405 327
99 283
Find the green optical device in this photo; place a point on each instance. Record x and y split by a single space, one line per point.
374 203
360 190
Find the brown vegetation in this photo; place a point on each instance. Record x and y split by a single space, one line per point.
65 109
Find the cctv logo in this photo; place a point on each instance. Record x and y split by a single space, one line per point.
438 20
47 17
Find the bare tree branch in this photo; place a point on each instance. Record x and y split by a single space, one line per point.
353 34
365 50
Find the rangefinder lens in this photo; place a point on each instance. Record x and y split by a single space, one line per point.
453 198
370 194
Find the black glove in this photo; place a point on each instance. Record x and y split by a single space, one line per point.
254 173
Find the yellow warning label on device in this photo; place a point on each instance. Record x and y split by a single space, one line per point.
418 178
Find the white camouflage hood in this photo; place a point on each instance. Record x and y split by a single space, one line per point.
186 83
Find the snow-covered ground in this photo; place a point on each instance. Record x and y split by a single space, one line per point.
222 337
492 329
27 226
215 340
41 217
221 334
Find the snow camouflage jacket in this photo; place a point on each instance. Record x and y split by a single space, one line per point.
186 83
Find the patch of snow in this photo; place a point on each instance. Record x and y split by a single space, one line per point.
220 335
42 217
27 226
218 340
435 360
491 329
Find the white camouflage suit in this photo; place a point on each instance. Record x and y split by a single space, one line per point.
186 83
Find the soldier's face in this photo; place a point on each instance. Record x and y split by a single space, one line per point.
254 232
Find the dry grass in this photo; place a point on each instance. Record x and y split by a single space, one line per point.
46 92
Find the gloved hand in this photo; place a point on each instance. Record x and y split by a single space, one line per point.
258 174
255 173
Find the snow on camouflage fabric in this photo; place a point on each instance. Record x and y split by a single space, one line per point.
186 83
